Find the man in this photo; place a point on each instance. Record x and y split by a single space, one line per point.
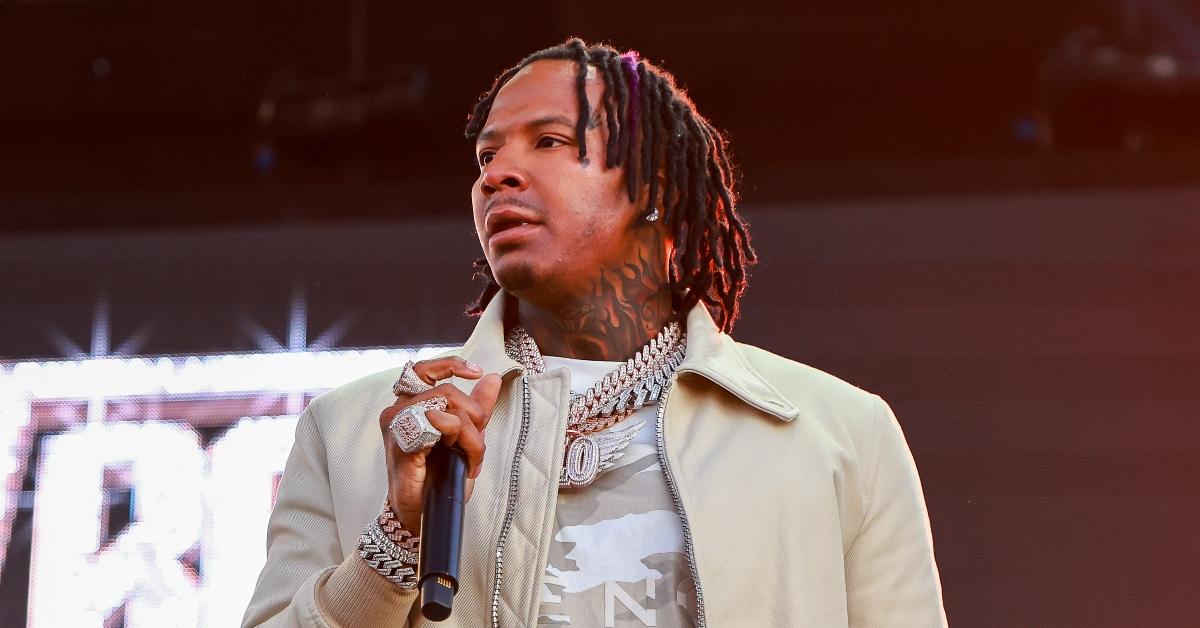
701 483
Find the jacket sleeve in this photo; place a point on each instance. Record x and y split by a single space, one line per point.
306 580
891 576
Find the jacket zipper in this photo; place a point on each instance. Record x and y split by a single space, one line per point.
510 506
701 620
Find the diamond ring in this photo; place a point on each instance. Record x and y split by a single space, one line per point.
410 383
411 428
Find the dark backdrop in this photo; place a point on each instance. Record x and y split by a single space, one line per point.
1040 351
999 237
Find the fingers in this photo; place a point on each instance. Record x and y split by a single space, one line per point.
478 405
458 431
455 398
465 417
470 441
460 409
433 370
484 395
450 425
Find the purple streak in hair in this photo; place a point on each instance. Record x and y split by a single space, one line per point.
629 62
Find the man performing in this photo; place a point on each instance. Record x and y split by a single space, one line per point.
642 468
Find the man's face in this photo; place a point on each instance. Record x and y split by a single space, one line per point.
578 218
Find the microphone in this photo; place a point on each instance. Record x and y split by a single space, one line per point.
441 530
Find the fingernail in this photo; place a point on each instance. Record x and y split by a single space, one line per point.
474 367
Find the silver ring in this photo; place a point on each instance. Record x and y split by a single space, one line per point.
412 430
409 383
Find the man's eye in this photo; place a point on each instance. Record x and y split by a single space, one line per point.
485 158
542 142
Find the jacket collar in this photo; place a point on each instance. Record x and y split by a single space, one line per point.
710 354
485 346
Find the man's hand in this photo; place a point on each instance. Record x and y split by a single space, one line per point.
461 424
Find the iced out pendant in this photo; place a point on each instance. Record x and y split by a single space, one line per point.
589 455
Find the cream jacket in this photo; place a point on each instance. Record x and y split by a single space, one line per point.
800 500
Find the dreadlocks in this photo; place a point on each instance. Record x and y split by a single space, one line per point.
653 125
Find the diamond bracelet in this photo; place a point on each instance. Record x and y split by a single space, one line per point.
390 549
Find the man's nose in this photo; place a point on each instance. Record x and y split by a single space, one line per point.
503 173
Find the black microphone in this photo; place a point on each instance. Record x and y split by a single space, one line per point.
441 530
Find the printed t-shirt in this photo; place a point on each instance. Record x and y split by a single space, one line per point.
617 558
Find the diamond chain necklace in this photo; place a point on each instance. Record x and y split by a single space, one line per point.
639 381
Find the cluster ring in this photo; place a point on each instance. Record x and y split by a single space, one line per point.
411 428
409 382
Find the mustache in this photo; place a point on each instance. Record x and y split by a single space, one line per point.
509 200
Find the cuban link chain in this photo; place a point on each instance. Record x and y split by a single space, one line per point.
639 381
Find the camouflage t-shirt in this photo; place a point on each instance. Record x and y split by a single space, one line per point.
617 557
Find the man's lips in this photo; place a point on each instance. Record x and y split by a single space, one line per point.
509 218
510 235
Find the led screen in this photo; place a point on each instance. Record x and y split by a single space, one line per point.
150 480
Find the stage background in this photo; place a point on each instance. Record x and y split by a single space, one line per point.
989 215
